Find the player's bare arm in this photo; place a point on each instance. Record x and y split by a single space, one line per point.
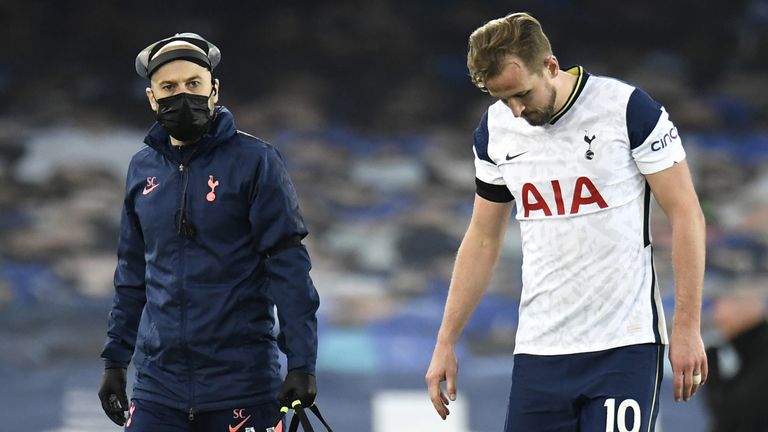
472 273
673 189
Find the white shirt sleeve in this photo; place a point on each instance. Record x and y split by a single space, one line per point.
487 172
485 169
654 140
488 178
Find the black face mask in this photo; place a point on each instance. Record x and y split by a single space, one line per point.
185 116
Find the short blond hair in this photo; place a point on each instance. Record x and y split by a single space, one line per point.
517 34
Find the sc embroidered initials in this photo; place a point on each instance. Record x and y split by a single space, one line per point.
211 197
151 185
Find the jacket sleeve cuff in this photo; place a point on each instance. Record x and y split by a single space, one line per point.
113 364
301 364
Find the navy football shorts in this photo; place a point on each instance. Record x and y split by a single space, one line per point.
145 416
615 390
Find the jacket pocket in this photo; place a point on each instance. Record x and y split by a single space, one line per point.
142 352
149 342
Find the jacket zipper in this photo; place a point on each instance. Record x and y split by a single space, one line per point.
184 181
184 228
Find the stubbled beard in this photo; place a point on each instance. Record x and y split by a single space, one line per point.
542 117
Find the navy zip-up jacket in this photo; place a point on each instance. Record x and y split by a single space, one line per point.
196 311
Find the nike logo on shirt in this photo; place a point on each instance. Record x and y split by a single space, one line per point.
512 157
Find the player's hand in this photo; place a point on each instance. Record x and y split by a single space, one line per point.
686 353
112 394
298 385
444 367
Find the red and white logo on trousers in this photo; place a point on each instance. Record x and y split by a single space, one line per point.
130 415
238 414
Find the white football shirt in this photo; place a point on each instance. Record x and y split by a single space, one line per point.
583 206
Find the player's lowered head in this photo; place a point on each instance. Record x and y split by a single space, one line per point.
511 59
182 91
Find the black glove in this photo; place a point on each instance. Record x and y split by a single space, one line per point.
114 400
298 385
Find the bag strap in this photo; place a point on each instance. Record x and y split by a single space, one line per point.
316 411
300 418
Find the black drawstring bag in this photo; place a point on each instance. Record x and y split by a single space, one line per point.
299 417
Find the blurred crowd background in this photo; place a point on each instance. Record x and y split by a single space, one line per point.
370 104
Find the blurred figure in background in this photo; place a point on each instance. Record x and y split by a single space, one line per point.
210 243
738 373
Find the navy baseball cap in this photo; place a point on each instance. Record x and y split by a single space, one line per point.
208 56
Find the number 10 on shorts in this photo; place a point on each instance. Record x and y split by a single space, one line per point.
618 417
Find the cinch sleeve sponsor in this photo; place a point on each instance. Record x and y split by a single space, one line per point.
488 179
653 138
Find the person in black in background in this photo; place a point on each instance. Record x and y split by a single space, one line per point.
738 371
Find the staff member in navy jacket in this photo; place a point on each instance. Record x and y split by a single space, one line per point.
210 243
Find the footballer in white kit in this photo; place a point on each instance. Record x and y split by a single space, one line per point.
579 156
583 207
